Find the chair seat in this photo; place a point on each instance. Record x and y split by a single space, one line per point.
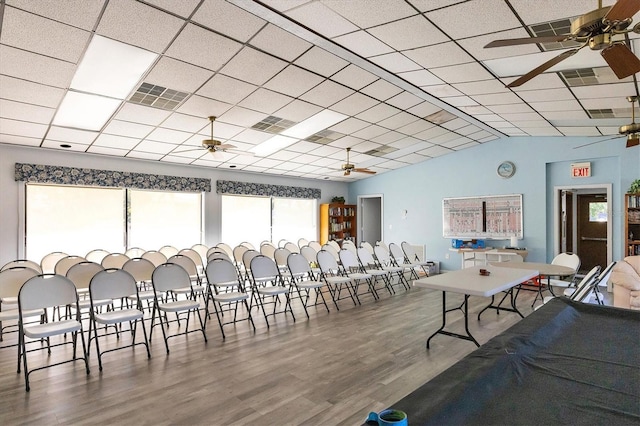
230 297
359 276
393 269
560 283
310 284
86 304
376 272
179 305
115 317
143 295
12 314
273 290
40 331
338 280
12 300
188 290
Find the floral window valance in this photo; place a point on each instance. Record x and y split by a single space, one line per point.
108 178
248 188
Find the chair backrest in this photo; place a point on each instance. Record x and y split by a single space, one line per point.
281 255
65 263
585 286
282 243
329 248
298 265
349 245
96 255
570 260
366 258
226 247
267 249
218 254
327 262
222 272
302 242
367 246
114 260
334 244
292 247
397 253
309 253
48 262
248 245
382 244
264 268
193 255
382 255
168 251
201 249
170 276
112 284
141 269
81 273
46 291
11 279
154 257
186 262
604 276
248 256
315 245
348 260
409 252
238 253
134 252
23 262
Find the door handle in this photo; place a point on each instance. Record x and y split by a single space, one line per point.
593 239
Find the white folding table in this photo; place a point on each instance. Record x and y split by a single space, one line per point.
469 282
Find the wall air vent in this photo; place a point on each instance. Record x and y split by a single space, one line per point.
553 28
273 124
158 96
440 117
381 151
324 137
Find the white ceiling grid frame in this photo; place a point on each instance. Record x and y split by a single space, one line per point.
202 47
280 43
293 81
217 15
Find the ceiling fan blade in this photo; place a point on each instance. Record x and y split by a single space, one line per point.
226 146
622 10
371 172
635 141
621 60
528 40
542 68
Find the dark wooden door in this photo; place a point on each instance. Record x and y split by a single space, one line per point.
592 230
566 222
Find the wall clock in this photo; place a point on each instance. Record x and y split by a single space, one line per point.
506 169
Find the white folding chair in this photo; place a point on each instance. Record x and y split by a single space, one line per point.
134 252
267 282
11 279
168 251
114 260
43 292
63 265
331 274
96 255
22 263
352 269
48 262
154 257
304 281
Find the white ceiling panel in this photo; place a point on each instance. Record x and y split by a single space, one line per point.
370 132
183 8
363 43
200 106
168 135
155 147
381 90
568 105
142 114
366 13
280 43
266 101
618 90
509 108
398 120
226 89
120 128
350 125
224 17
19 140
185 123
579 131
177 75
415 127
474 18
459 101
204 48
319 17
18 90
354 77
326 93
119 142
605 103
25 112
36 68
426 5
409 33
241 117
481 87
22 128
114 152
462 73
253 66
354 104
440 55
293 81
378 113
497 99
63 134
297 111
79 13
395 62
441 90
320 61
420 78
550 11
476 45
144 155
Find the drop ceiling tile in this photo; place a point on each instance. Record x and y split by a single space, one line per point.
253 66
322 19
293 81
541 131
367 14
442 90
297 111
63 134
142 114
391 165
252 136
399 120
266 101
439 55
241 117
25 112
124 128
204 48
363 44
381 90
420 78
444 138
619 90
203 107
432 133
62 41
226 89
426 5
539 123
346 142
473 110
370 132
155 147
605 103
354 104
354 77
524 116
579 131
565 115
79 13
409 33
302 147
395 62
119 142
320 61
76 147
348 126
267 163
326 151
19 140
476 45
455 124
362 147
606 130
144 155
424 109
455 142
497 99
22 128
467 130
459 101
552 12
507 108
415 127
389 137
36 68
435 151
412 158
114 152
378 113
183 8
18 90
167 135
404 100
223 17
560 94
462 73
326 93
140 25
407 142
474 18
569 105
489 118
177 75
280 43
465 146
481 87
186 123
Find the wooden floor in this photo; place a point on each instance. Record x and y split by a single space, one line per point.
331 369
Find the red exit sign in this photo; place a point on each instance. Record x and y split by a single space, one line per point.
580 170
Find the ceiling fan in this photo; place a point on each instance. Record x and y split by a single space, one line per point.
348 167
214 146
631 131
596 30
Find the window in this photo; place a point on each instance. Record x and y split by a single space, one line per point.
598 211
76 219
256 219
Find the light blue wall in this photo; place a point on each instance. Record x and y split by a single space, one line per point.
541 163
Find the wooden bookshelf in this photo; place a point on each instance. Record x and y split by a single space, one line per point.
632 224
337 222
